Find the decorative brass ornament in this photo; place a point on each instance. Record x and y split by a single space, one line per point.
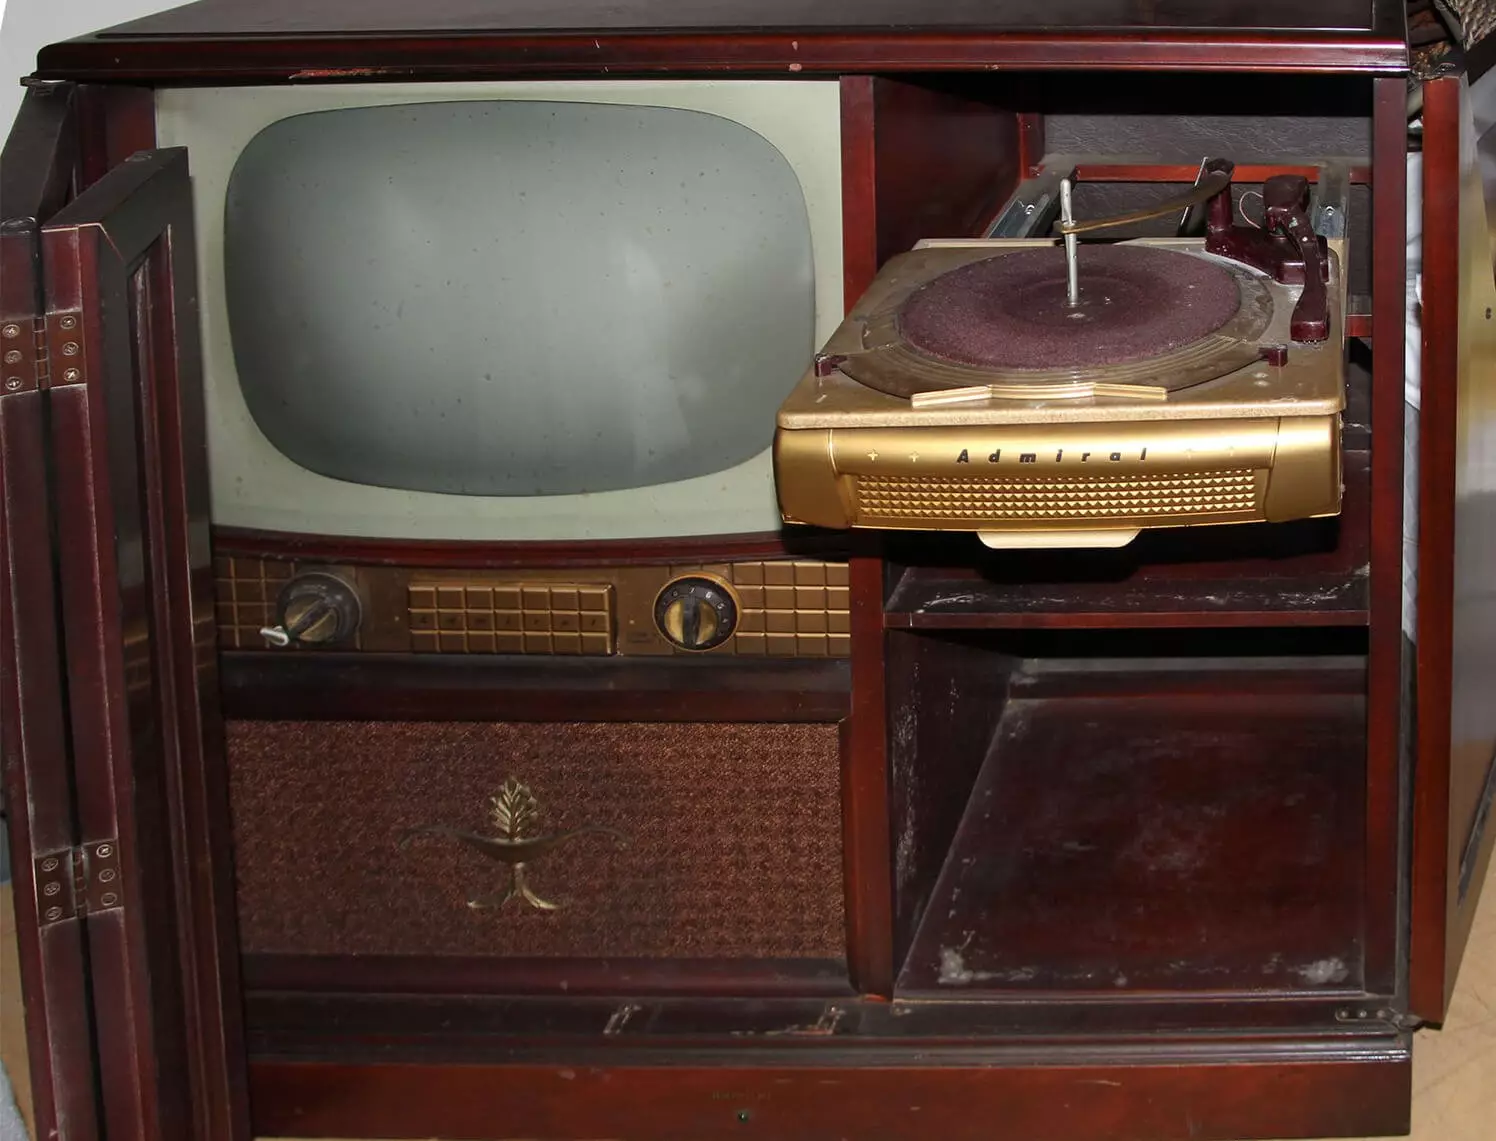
516 814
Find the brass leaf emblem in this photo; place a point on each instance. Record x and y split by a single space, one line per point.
516 817
515 809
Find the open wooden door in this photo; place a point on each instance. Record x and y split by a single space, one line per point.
1455 778
116 747
36 175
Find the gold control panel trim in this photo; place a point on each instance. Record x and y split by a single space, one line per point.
787 608
510 617
246 590
792 609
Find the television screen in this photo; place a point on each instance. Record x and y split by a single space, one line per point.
516 298
530 310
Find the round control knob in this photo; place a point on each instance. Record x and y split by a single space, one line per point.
696 612
315 609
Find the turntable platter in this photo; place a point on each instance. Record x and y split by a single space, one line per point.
1010 312
1148 317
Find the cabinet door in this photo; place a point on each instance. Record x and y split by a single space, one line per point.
36 176
111 580
1455 784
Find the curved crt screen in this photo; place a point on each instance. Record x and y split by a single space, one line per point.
516 298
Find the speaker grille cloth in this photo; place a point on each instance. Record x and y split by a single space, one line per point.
733 838
1114 497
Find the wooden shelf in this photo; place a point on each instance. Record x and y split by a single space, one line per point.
327 686
476 1027
1333 604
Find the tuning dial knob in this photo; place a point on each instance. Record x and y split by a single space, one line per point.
696 612
315 609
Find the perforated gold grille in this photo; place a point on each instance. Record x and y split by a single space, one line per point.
792 609
1233 491
511 618
246 590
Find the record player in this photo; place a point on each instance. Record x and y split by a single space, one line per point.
1049 392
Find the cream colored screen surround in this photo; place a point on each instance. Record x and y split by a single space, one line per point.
255 486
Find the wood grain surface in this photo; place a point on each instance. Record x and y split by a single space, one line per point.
1454 1070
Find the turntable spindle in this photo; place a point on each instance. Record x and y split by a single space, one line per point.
1072 247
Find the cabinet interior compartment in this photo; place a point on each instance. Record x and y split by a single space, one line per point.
1129 812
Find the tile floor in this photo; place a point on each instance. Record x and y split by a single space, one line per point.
1454 1071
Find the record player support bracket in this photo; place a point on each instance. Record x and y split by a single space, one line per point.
1330 205
1031 211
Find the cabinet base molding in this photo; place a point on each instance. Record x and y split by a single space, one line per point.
1366 1093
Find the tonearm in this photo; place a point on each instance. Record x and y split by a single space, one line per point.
1285 245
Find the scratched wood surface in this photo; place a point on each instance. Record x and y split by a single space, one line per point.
1454 1072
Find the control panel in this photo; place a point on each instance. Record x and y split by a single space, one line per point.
777 608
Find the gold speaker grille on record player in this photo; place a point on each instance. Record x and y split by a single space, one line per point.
1214 493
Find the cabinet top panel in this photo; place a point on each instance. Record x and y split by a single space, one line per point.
222 39
232 17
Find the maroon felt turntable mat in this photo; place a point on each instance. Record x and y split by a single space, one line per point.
1010 311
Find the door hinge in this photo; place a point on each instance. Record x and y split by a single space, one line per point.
63 360
1383 1015
77 881
38 353
23 355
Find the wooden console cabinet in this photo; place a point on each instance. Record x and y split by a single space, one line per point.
1176 841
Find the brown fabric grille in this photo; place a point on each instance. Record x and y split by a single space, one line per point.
733 838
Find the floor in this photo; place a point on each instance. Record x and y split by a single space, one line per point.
1454 1071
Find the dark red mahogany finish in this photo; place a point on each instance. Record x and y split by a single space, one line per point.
35 179
1387 680
131 859
134 565
969 1099
1453 837
996 715
346 39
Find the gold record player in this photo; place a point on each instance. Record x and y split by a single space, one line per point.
1044 393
